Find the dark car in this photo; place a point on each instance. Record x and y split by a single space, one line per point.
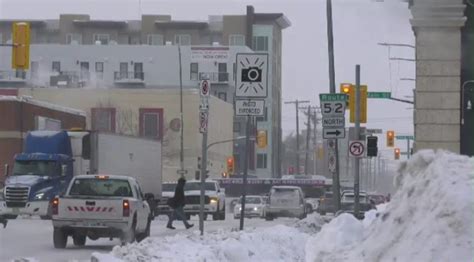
377 199
326 204
349 208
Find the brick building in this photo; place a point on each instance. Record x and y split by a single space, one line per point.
20 115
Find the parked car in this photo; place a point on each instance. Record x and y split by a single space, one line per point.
377 199
254 207
285 201
96 206
326 204
349 197
348 207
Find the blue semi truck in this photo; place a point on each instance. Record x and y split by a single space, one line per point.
50 159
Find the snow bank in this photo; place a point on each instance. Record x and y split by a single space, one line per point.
430 218
311 224
278 243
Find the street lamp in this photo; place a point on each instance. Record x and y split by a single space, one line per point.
462 100
396 44
225 141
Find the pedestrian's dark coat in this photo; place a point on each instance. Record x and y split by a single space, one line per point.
179 200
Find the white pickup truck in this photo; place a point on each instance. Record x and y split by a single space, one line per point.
214 199
98 206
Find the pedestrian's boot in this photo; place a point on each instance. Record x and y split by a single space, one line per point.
170 227
189 226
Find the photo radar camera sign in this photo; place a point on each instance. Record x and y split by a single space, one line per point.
251 79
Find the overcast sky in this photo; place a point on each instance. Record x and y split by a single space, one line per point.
358 26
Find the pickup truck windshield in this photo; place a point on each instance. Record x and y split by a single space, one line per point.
37 168
197 186
100 187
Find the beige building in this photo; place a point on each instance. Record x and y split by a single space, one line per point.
78 50
152 113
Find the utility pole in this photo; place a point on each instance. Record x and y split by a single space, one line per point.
308 135
315 141
332 90
297 103
181 152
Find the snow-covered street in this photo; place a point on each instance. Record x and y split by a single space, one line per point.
428 219
33 238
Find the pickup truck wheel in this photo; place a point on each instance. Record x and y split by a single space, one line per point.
146 233
59 238
79 240
222 216
129 237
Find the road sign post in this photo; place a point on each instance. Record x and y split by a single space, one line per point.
251 85
203 127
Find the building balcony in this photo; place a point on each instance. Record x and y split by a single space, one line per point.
214 77
129 77
69 79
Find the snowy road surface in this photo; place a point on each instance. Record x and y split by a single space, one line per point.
33 238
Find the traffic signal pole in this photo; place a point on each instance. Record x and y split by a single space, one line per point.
357 136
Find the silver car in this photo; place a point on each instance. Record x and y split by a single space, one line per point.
285 201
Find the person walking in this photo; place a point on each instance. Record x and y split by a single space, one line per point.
177 203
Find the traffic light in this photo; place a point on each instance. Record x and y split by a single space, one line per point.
372 146
21 46
230 165
346 89
397 153
390 138
262 138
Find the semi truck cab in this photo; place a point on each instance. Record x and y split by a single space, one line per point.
41 172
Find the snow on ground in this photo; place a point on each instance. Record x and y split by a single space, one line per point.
275 243
430 218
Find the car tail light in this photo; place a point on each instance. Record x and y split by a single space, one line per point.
55 205
126 208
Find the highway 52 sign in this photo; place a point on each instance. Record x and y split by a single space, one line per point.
252 75
333 108
333 104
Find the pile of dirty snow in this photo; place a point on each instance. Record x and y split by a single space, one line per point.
278 243
430 218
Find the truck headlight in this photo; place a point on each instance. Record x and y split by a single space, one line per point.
42 194
255 208
214 200
39 196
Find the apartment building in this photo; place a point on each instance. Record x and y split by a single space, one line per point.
79 52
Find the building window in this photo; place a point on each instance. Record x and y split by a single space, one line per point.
138 71
56 66
155 39
194 71
151 123
182 39
102 38
260 43
236 40
261 160
103 119
234 70
99 70
237 127
222 96
223 76
264 117
1 39
74 39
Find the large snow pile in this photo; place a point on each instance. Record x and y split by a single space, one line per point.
278 243
430 218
